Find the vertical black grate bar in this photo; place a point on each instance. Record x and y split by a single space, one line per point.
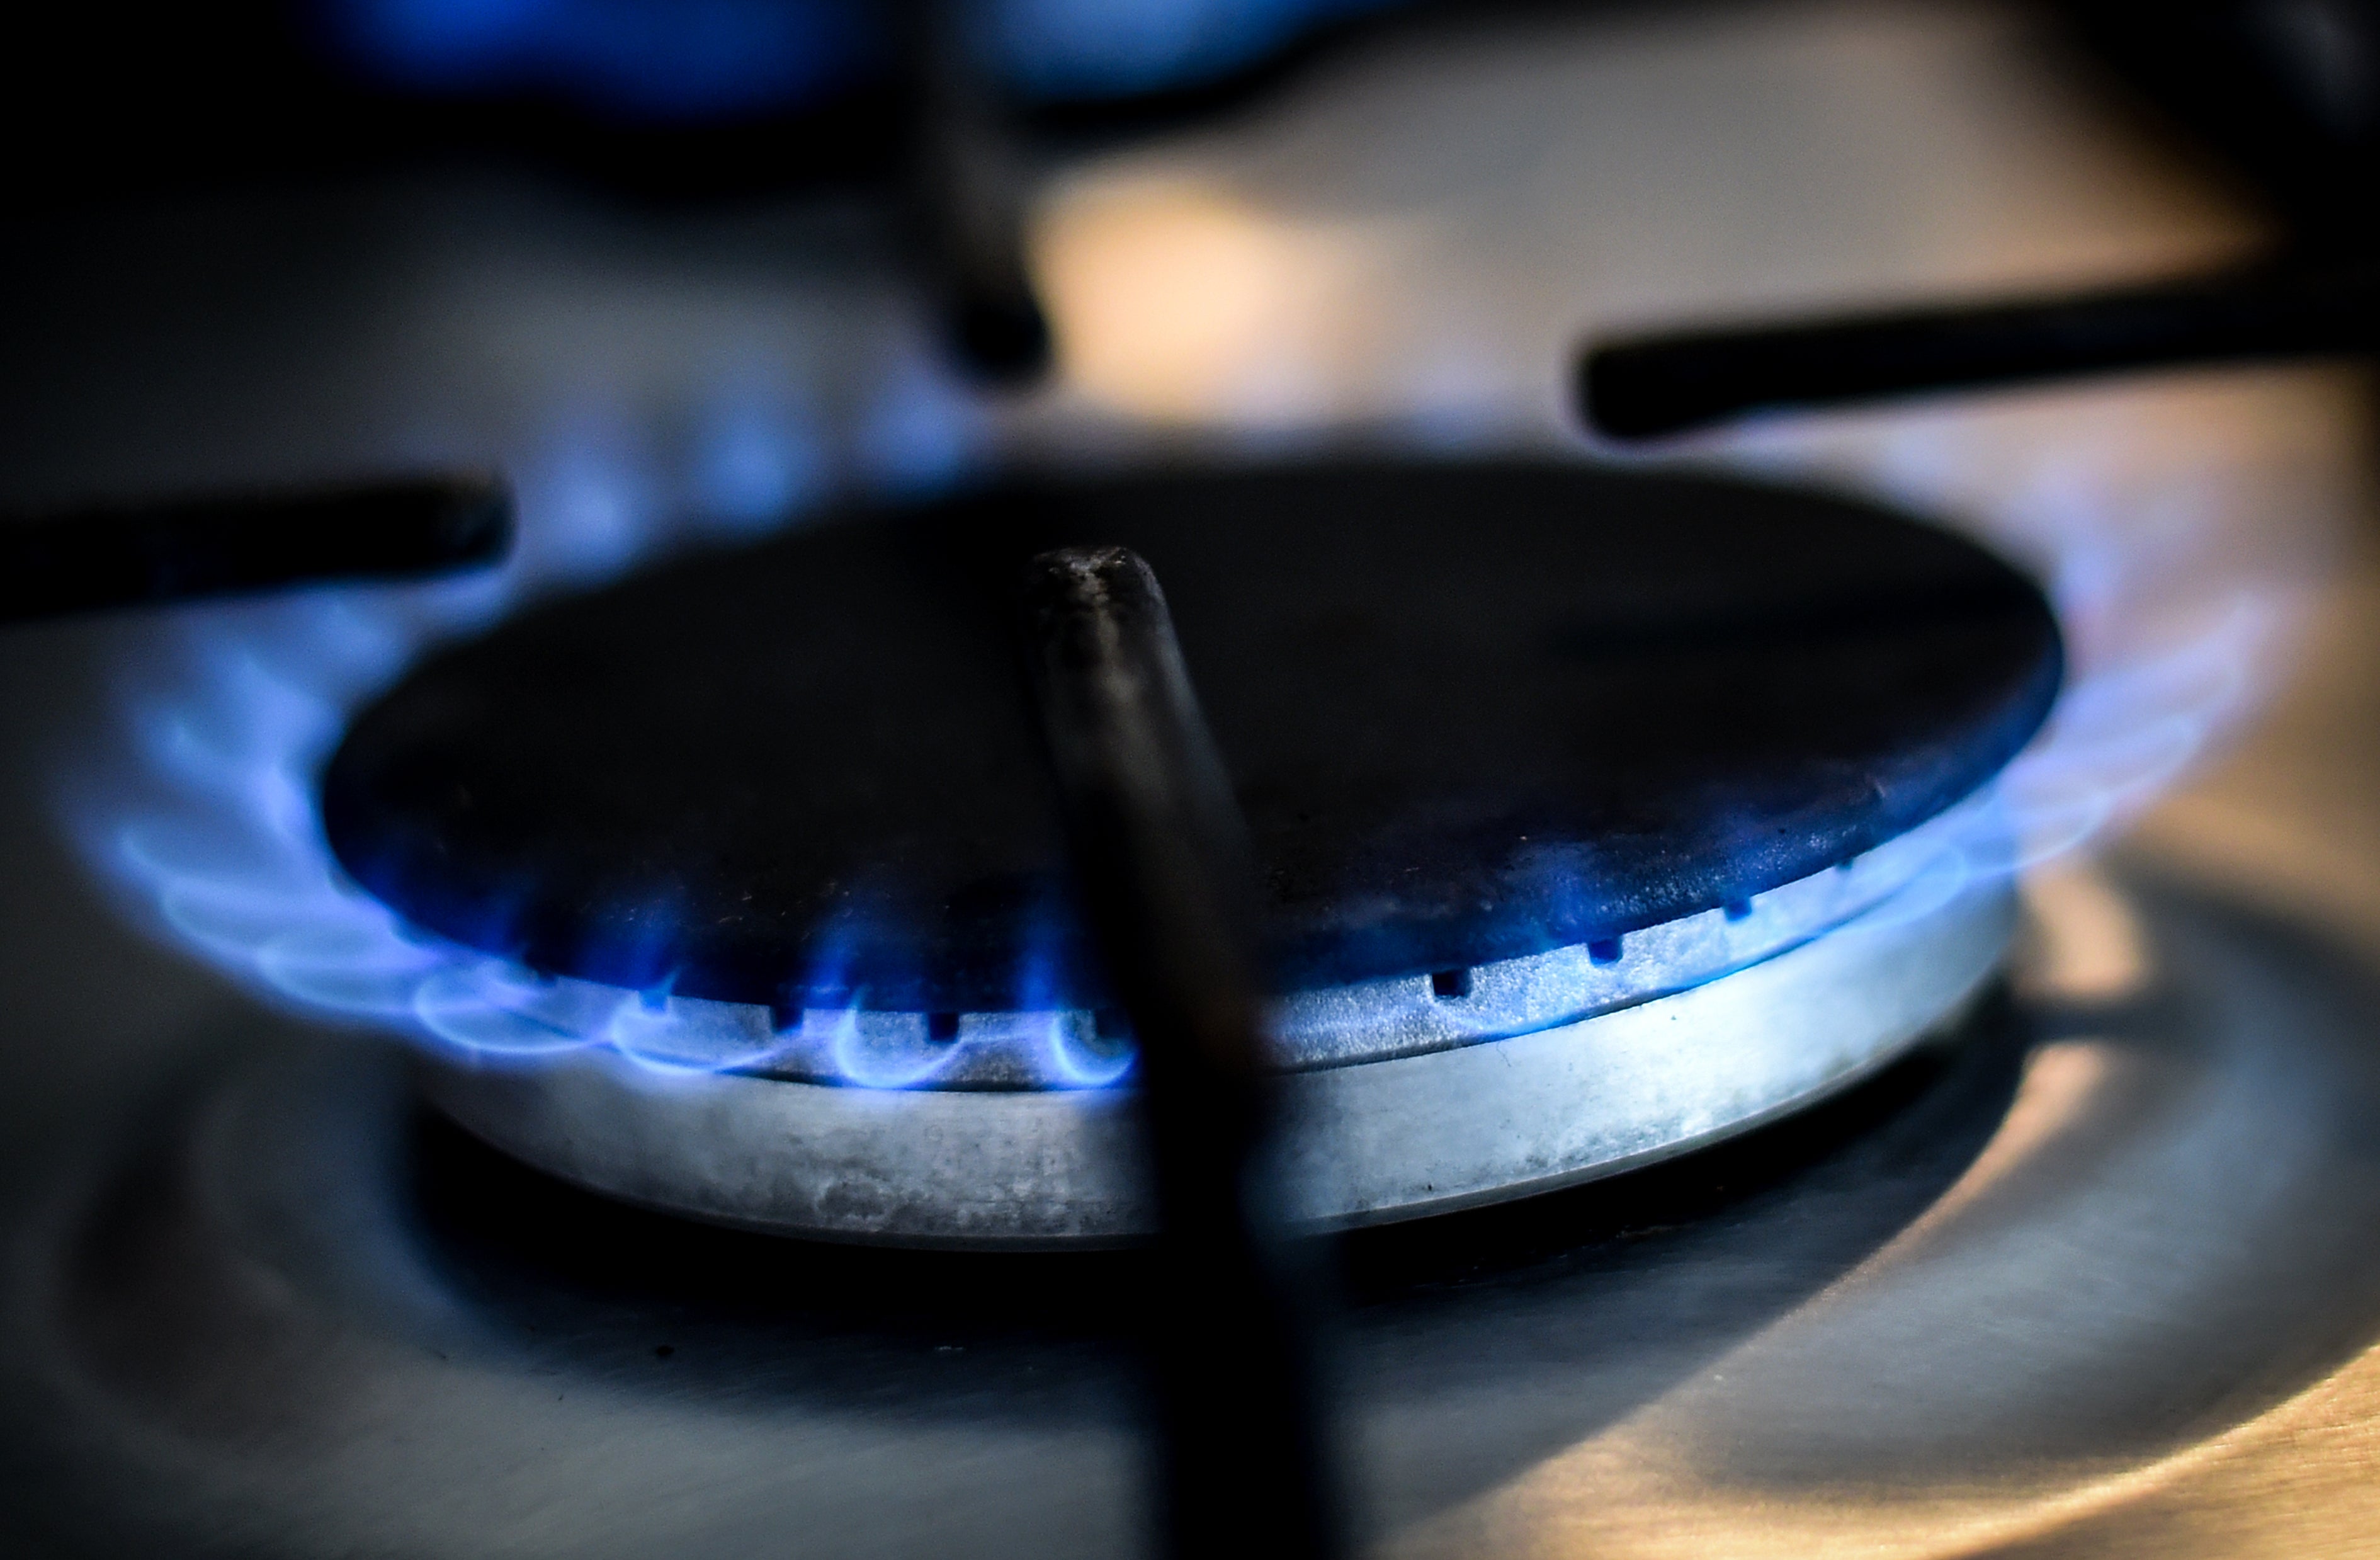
1162 865
966 195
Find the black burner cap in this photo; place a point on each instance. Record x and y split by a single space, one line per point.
1472 710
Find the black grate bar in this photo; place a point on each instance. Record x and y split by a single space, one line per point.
1671 382
237 543
1160 859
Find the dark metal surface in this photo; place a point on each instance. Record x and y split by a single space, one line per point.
1669 382
1472 711
1162 865
233 543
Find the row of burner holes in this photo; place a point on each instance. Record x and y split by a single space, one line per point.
1446 985
1450 985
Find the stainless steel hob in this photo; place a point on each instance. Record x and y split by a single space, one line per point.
2085 1274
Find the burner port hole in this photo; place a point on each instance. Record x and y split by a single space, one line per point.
1604 950
1448 984
942 1028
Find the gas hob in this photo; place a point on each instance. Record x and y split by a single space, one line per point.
2076 1266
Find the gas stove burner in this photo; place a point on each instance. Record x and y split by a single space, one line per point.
1598 815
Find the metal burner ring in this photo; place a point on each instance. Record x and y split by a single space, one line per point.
1373 1141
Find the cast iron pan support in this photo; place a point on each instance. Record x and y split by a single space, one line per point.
1161 863
1671 382
152 554
965 189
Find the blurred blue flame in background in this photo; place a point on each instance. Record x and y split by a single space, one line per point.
644 58
208 819
691 59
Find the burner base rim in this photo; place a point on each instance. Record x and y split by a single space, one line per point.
1371 1143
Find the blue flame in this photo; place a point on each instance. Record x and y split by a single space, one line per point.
204 814
1067 1043
870 1062
207 816
223 843
1110 48
749 472
692 59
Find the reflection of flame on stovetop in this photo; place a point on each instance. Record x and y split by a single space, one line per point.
206 812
